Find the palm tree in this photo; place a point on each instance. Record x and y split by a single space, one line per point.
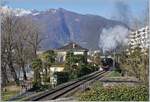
48 59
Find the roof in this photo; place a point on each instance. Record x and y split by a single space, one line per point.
72 46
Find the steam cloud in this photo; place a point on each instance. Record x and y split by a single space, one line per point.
123 12
113 37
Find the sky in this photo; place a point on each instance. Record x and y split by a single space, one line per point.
103 8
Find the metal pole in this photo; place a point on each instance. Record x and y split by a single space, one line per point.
70 59
114 60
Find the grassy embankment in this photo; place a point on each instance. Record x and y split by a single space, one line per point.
10 91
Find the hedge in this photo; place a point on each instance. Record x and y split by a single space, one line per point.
116 93
62 77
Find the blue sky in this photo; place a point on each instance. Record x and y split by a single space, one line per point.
104 8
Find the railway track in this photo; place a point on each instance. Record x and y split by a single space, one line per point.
66 88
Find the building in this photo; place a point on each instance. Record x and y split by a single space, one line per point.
73 47
139 38
61 58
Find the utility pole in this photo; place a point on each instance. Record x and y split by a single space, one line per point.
114 58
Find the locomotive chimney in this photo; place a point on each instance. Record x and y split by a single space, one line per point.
73 45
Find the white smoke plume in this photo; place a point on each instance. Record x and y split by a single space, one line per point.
112 37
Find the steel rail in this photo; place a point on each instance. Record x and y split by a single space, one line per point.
59 87
83 86
76 86
66 87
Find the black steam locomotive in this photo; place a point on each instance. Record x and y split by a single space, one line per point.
107 63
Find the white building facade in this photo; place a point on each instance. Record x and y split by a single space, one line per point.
139 38
73 47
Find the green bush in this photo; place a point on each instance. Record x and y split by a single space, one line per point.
44 87
46 79
62 77
116 93
36 85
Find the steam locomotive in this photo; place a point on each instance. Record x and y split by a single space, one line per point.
107 63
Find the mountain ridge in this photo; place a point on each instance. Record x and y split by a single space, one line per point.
61 26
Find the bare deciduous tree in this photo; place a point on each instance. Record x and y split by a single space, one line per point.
3 64
27 42
34 36
21 39
20 46
8 30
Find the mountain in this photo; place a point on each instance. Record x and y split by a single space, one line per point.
17 11
61 26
